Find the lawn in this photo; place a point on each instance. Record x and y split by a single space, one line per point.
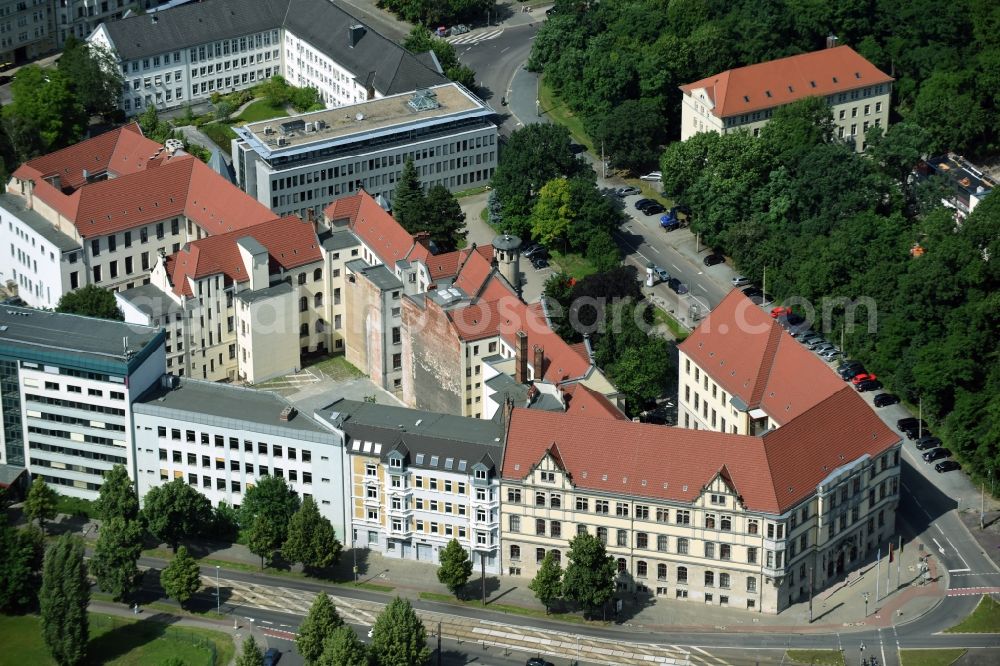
575 265
676 329
984 620
816 657
260 110
221 134
503 608
75 506
556 109
337 368
120 642
930 657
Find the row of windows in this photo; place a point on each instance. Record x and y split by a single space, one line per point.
102 409
192 437
77 453
191 459
93 392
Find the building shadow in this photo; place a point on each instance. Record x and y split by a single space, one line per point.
123 636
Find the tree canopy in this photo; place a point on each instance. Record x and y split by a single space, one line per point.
589 578
117 496
176 511
421 40
272 498
93 75
181 578
92 301
433 13
22 554
63 601
456 567
547 583
116 556
311 538
44 114
316 628
398 636
40 504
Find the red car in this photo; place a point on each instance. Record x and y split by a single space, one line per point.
863 377
779 312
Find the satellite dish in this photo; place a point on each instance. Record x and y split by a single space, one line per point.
359 116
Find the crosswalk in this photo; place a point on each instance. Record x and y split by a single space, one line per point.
475 37
967 591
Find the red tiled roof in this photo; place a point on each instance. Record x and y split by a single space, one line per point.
446 265
771 473
750 356
819 73
290 243
473 272
585 401
140 189
580 347
376 229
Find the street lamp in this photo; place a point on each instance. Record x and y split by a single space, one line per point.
218 597
865 595
861 653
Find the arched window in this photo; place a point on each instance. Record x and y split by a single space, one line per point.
661 572
640 569
318 299
317 275
622 565
602 535
303 304
304 330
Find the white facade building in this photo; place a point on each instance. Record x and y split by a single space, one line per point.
67 384
221 439
303 163
41 256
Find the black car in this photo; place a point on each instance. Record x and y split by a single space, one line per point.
752 291
917 433
852 371
642 203
936 454
271 657
531 249
678 286
713 259
869 385
539 262
886 399
946 466
654 209
929 442
909 422
538 661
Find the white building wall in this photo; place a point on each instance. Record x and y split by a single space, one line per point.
38 268
305 66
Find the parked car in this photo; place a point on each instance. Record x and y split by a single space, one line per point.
677 286
539 262
886 399
868 385
829 354
441 32
801 332
551 10
271 656
862 377
459 29
670 223
536 251
917 432
538 661
752 291
793 319
713 259
849 372
819 344
652 176
529 248
780 312
928 442
740 280
936 454
910 421
628 190
642 203
654 209
946 466
662 274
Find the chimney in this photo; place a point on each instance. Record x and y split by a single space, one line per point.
287 414
521 358
537 365
831 41
354 34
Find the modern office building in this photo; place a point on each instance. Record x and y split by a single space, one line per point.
223 439
67 384
183 55
100 212
419 479
744 99
305 162
27 30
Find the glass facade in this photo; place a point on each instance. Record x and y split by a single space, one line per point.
10 402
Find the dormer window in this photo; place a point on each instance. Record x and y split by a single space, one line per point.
396 463
480 474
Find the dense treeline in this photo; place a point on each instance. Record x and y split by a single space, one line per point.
618 63
834 227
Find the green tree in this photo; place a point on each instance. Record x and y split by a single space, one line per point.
181 579
589 578
443 218
547 583
553 214
456 567
40 504
117 497
175 511
223 110
316 628
92 301
632 133
116 557
264 538
603 252
250 655
311 538
408 202
399 637
44 114
950 98
152 127
271 497
94 75
18 566
63 601
642 373
225 522
342 648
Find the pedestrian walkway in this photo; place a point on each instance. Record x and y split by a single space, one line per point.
475 37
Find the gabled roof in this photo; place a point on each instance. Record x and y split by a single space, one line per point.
751 357
376 228
144 184
771 473
446 265
290 242
774 83
373 61
585 401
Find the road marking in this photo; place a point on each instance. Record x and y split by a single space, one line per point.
702 287
940 547
967 591
967 568
882 647
653 248
674 266
958 570
473 38
506 48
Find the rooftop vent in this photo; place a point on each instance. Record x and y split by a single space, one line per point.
287 414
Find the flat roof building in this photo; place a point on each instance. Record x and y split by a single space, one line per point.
67 384
305 162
